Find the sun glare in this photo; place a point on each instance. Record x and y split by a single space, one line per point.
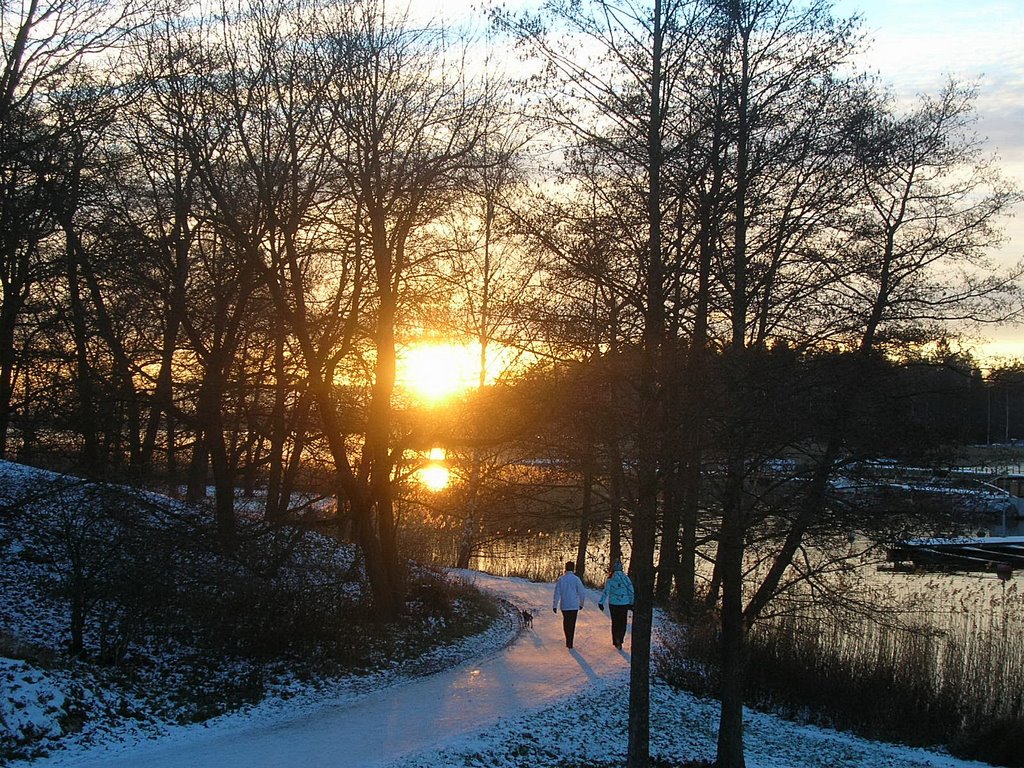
435 475
1000 351
437 371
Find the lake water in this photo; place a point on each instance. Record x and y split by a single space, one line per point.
972 622
933 598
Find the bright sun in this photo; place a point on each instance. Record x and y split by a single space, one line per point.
434 372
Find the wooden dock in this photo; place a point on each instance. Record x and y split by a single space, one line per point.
1001 555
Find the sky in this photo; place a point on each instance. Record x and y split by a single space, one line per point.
917 44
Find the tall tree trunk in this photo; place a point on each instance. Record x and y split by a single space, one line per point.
87 405
211 400
645 520
162 400
198 469
355 492
616 474
616 483
9 312
729 563
686 572
379 532
278 430
126 425
472 521
690 478
642 572
733 631
693 404
586 513
224 489
668 559
172 457
468 535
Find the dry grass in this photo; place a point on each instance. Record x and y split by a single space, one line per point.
952 675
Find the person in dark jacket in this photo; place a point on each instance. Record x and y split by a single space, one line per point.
569 593
618 593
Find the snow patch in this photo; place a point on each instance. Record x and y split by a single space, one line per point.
32 706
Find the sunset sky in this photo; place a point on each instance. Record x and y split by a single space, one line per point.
917 44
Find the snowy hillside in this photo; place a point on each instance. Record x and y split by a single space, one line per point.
168 630
504 698
532 703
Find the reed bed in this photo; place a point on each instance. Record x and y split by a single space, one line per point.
946 669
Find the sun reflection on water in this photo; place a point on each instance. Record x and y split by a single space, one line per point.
434 475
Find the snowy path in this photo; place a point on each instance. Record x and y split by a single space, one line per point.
404 719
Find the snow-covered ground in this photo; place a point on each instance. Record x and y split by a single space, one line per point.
530 702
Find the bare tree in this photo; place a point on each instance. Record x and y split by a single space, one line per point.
795 181
412 127
326 147
158 198
782 95
26 221
46 45
618 92
484 281
918 248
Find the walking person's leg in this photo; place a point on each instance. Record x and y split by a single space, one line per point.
618 613
569 626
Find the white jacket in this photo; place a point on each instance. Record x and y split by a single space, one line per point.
569 592
618 590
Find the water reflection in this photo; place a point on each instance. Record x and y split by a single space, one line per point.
434 475
541 557
929 597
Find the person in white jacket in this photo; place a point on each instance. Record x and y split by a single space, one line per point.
618 593
569 593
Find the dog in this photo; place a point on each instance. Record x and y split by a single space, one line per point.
527 618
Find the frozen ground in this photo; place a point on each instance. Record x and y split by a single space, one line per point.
530 702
